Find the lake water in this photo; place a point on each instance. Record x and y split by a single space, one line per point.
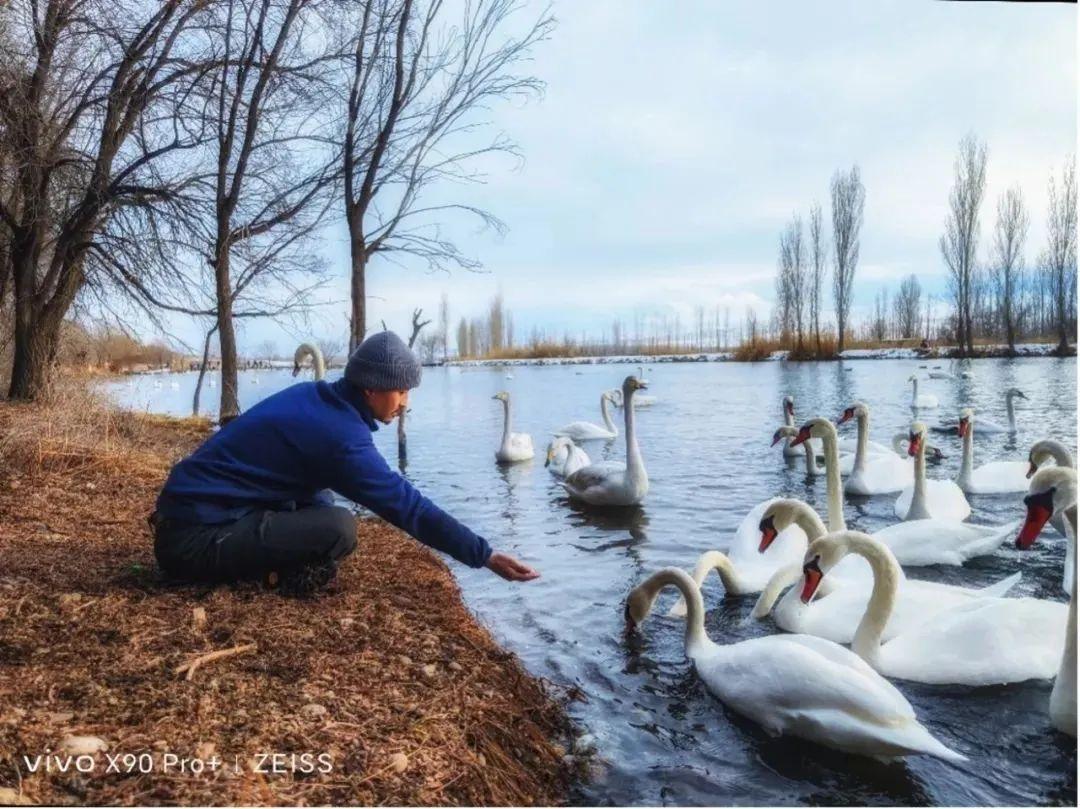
662 738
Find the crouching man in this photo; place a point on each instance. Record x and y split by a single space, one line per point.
250 503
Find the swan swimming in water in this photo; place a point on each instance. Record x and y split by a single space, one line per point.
874 473
586 430
615 484
318 364
1050 449
515 447
796 685
996 477
836 615
926 400
564 457
1053 491
986 641
942 499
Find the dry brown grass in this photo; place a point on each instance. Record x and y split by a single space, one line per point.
388 672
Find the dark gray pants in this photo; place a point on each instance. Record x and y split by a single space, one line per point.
251 547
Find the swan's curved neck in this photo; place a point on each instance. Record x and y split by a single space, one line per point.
506 423
696 639
635 466
887 577
783 578
915 392
918 510
607 416
832 480
1058 451
811 459
968 458
714 560
809 521
789 418
317 361
863 420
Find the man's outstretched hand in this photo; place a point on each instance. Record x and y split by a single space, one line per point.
510 568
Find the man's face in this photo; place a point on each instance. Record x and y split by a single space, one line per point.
386 404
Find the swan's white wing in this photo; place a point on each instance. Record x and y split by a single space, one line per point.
1000 477
882 474
987 641
584 431
811 689
944 500
941 542
595 479
521 444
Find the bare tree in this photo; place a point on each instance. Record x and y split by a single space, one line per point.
961 238
268 180
848 199
444 324
1007 265
879 327
791 283
1061 249
331 349
417 326
818 256
411 84
77 82
907 305
462 338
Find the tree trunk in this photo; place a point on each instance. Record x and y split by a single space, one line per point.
230 405
358 319
34 351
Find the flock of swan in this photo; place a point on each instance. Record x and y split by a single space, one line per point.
849 589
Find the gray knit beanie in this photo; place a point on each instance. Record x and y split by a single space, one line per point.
383 362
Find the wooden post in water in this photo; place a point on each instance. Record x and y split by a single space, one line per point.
402 449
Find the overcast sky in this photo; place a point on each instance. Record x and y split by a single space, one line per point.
675 140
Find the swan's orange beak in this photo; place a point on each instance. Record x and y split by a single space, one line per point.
962 428
846 416
768 534
812 577
1040 508
804 435
914 443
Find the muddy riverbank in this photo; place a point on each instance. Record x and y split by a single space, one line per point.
388 684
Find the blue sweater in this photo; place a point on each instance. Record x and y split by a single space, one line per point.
289 447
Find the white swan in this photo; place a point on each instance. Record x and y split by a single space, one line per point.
318 364
900 447
1050 449
921 400
564 457
796 685
996 477
836 616
992 427
874 473
789 432
640 400
986 641
514 447
1053 491
609 484
586 430
788 404
942 499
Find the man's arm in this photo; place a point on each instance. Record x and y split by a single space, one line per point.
361 474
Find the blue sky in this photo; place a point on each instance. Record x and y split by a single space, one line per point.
675 140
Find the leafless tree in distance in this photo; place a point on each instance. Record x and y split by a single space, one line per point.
961 238
848 198
1061 248
818 256
907 305
1007 267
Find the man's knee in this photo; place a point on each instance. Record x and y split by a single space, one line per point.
341 529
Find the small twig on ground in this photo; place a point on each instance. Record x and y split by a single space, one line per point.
192 665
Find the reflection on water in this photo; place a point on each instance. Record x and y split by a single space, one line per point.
665 740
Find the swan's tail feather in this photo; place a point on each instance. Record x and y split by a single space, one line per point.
1002 587
935 747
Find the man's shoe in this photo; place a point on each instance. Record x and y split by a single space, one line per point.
305 581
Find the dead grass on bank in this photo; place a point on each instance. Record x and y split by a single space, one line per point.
388 673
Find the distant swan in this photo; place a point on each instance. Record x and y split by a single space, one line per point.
995 477
921 400
515 447
941 499
564 457
305 350
611 484
586 430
